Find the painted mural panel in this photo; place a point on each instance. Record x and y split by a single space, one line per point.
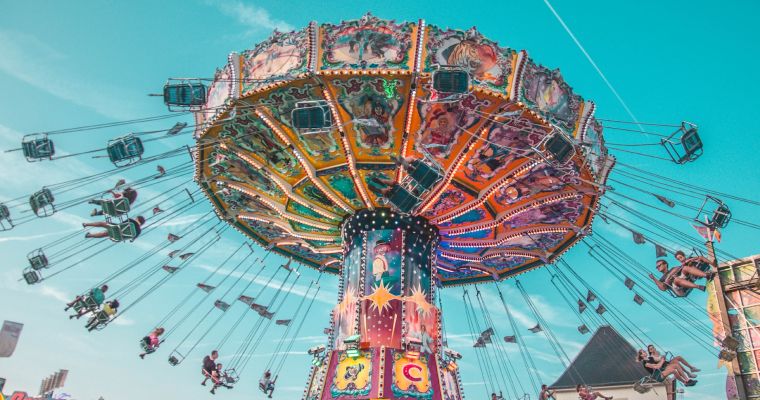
505 143
384 248
543 179
486 62
421 323
309 191
220 89
450 384
451 198
553 213
316 382
339 179
412 378
547 90
226 164
282 56
250 134
380 322
373 106
322 148
596 153
353 376
368 42
377 182
443 124
345 313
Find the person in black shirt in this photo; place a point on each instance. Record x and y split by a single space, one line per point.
209 366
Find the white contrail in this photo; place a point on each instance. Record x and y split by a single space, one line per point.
596 67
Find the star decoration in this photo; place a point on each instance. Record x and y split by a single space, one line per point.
348 300
418 297
381 298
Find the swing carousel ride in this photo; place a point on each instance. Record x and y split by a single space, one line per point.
404 158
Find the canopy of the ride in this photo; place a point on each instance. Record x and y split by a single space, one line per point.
502 208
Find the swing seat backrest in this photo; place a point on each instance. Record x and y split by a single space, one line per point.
425 175
404 200
125 150
122 231
38 261
31 276
115 207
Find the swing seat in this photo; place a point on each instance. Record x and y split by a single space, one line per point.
311 117
683 145
173 361
37 147
37 259
5 218
122 231
425 175
403 199
146 347
86 303
101 319
560 148
684 292
31 276
184 94
41 203
646 383
451 81
125 150
231 376
115 207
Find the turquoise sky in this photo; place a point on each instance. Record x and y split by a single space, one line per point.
65 64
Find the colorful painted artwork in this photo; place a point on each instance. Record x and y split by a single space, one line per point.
505 143
450 384
344 314
353 376
228 165
281 103
250 134
544 179
282 56
314 391
384 249
220 89
443 124
596 153
314 195
368 42
547 90
561 211
411 377
421 321
340 181
380 321
372 112
483 59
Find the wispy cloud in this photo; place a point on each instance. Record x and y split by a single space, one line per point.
254 18
57 294
34 62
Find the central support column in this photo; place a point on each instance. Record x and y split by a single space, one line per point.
385 338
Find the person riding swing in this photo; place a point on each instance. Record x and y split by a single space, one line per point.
266 383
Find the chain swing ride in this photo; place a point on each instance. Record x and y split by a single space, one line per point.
406 159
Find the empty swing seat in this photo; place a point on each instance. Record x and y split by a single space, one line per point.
41 203
5 218
37 259
424 174
173 360
187 94
37 147
560 148
451 81
31 276
683 145
122 231
125 150
402 199
311 116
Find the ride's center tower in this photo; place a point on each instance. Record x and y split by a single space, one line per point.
385 337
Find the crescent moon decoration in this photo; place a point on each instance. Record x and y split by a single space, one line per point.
407 372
